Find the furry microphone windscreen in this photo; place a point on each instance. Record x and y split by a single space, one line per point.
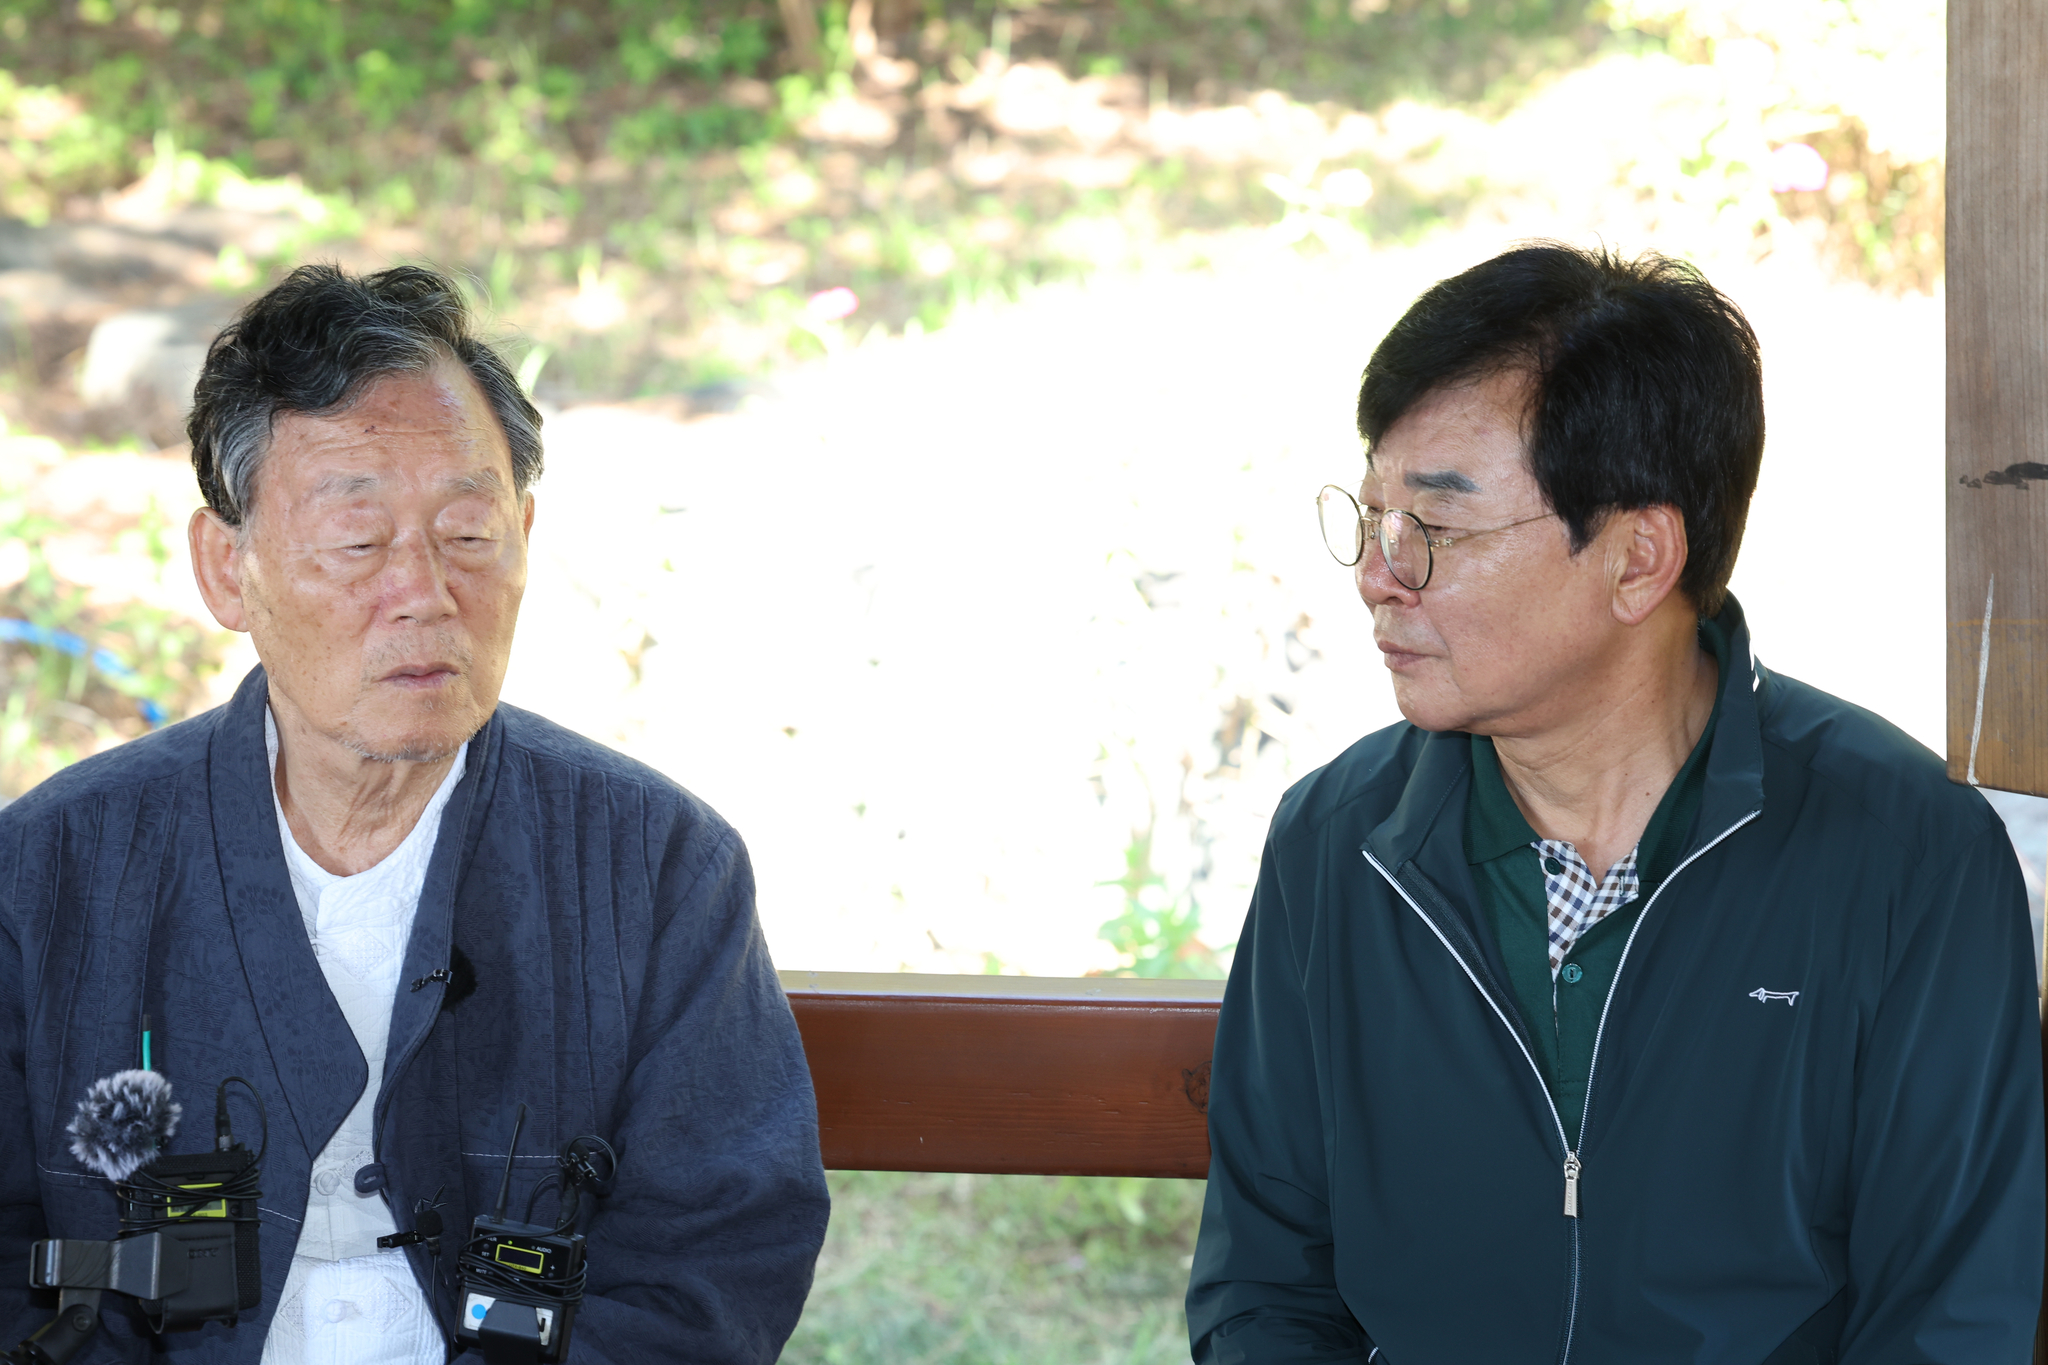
122 1122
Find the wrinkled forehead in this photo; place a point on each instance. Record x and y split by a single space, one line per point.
426 432
344 486
1457 441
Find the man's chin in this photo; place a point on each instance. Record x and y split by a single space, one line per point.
419 751
415 739
1425 710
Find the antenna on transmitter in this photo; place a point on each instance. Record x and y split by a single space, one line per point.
505 1185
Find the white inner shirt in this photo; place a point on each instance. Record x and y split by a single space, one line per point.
345 1302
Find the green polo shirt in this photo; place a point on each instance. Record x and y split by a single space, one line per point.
1508 871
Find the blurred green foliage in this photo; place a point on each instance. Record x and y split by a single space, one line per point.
504 136
1000 1270
1157 935
226 76
510 138
1362 53
520 86
61 704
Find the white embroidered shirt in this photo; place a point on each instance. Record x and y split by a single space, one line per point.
344 1301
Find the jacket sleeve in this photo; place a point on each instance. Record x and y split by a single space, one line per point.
21 1204
1263 1289
1946 1166
705 1249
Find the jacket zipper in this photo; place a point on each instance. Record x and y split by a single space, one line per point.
1572 1165
1571 1158
1600 1032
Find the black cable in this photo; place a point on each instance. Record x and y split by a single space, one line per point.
144 1191
534 1198
576 1172
223 1134
480 1272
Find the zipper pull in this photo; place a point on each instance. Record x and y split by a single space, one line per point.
1571 1185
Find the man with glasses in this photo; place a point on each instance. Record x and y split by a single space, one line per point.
1631 1002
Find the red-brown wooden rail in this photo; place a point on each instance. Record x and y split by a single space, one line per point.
1009 1075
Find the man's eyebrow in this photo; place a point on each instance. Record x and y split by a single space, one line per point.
481 481
1439 481
344 485
485 481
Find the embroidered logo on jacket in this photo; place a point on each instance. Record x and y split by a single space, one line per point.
1789 997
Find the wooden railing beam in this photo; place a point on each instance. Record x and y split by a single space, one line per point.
1009 1075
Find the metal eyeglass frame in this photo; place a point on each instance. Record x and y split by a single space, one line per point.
1373 527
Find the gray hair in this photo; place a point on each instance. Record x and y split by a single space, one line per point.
312 345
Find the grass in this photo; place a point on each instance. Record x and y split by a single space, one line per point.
1000 1270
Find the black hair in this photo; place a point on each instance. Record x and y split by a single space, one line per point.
1645 388
312 344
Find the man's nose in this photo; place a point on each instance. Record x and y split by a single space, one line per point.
416 582
1376 582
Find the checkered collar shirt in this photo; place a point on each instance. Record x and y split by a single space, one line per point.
1575 897
1577 901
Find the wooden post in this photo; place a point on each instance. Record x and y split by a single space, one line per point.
1997 397
1997 403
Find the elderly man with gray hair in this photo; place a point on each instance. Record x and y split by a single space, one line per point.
399 909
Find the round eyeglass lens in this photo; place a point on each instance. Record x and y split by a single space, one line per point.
1405 543
1343 531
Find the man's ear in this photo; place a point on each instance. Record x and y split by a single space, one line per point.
1651 553
216 563
529 514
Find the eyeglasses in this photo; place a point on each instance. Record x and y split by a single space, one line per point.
1406 543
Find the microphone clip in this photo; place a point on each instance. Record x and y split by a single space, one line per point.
426 1230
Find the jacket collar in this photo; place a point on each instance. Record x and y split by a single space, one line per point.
1432 805
1735 764
425 979
319 1067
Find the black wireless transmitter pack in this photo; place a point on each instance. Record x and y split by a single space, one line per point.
522 1282
186 1250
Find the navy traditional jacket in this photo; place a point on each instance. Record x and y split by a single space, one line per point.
617 984
1812 1130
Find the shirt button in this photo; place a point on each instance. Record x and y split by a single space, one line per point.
1552 866
327 1182
1571 973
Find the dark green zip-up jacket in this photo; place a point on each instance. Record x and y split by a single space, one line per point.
1813 1125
